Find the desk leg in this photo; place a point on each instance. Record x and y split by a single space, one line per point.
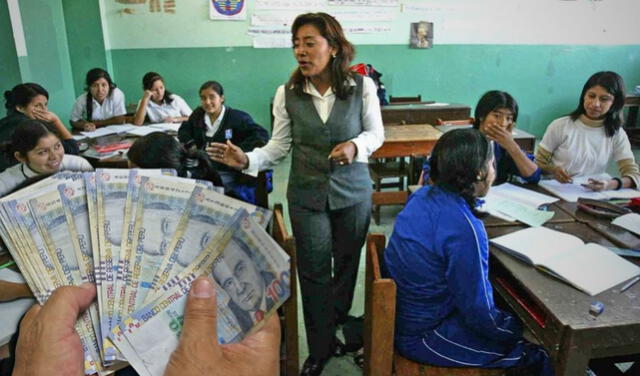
573 357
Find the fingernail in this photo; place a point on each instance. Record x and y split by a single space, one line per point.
202 288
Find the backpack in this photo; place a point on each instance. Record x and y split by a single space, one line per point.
369 71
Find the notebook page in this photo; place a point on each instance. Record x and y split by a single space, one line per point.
537 243
591 268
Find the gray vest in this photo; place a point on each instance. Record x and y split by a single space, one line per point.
316 181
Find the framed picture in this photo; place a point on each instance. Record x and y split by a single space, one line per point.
421 34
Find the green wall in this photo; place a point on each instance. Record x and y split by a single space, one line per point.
84 35
10 75
546 80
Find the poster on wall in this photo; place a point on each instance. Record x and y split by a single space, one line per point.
229 10
421 34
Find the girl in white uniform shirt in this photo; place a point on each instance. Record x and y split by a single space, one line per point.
102 104
158 104
40 152
583 143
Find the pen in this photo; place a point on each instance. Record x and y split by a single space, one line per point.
8 264
629 284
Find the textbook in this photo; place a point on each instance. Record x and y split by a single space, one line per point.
589 267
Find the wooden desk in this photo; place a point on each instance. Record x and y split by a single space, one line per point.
417 113
562 321
403 141
617 235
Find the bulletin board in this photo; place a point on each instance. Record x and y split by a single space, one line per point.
133 24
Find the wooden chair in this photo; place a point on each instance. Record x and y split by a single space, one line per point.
380 358
289 311
417 98
632 103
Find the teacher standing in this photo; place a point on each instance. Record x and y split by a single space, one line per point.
331 119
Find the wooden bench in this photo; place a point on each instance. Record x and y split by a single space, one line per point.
289 365
380 358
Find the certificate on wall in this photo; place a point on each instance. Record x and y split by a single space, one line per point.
230 10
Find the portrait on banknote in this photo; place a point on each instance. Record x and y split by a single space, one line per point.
238 271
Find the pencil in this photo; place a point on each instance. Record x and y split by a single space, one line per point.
6 265
629 284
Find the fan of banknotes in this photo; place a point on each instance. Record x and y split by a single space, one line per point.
143 236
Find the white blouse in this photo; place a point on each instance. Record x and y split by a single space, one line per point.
368 141
158 112
113 105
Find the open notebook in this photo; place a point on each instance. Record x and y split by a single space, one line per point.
510 203
571 191
589 267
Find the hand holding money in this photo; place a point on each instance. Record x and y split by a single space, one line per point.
48 340
199 352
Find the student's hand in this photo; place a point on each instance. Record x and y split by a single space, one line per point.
170 119
48 340
88 127
561 175
199 352
501 135
228 154
344 153
148 94
600 184
44 115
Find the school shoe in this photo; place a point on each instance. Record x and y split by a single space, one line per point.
313 367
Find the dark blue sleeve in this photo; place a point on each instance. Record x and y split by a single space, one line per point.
466 248
247 133
535 177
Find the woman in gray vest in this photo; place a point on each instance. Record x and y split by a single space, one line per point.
331 119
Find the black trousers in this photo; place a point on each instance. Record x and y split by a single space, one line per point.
328 247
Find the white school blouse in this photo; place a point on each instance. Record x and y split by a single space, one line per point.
368 141
16 175
158 112
113 105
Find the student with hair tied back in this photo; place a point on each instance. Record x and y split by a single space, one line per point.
29 101
584 142
159 105
39 152
160 150
101 104
438 257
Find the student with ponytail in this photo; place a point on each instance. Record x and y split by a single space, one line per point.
102 103
160 150
29 101
159 105
39 152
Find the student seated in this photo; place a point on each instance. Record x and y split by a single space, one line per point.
29 101
495 117
584 142
101 104
40 152
159 105
438 257
160 150
215 122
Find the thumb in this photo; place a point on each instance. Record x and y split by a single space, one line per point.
200 313
231 145
66 303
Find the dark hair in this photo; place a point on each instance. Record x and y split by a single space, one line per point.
21 95
160 150
614 84
92 76
493 100
459 160
330 30
147 83
27 135
213 85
